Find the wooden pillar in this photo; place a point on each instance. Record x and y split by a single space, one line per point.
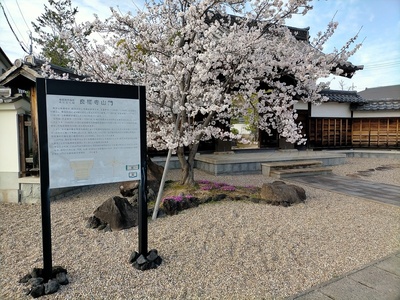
35 135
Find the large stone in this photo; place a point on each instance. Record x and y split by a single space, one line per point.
128 188
154 175
36 281
62 278
118 213
51 287
37 272
145 262
93 222
25 278
280 193
134 256
58 269
37 291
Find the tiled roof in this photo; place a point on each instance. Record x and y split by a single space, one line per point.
343 96
12 99
379 105
26 71
391 92
299 33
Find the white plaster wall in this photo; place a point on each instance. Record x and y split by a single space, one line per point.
9 187
331 110
376 114
9 158
301 106
9 144
9 149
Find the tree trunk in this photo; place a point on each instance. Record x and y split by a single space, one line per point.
187 165
187 174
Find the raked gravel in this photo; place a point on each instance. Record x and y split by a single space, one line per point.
225 250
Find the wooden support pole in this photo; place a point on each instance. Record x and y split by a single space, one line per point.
34 125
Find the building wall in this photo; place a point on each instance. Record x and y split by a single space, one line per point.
3 67
376 114
376 132
301 105
331 110
9 149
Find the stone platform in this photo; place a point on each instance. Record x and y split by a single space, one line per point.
251 162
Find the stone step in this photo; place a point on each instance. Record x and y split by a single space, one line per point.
267 168
286 173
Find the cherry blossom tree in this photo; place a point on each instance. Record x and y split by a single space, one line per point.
204 62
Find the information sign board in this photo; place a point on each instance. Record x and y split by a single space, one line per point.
90 133
92 140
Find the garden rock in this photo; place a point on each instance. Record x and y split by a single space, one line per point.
51 287
62 278
280 193
174 205
128 188
154 175
93 222
25 279
38 286
145 262
118 213
37 272
37 291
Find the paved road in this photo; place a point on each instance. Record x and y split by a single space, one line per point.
386 193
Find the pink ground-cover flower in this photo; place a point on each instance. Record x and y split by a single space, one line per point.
230 188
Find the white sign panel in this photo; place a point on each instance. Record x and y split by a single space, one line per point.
92 140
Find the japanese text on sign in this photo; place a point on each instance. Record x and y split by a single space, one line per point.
92 138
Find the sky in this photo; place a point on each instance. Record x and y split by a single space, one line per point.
379 21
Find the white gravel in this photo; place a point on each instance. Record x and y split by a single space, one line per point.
226 250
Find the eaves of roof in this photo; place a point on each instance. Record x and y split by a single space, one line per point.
16 71
29 69
14 98
343 96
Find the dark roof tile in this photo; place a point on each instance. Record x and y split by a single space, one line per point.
379 105
343 96
12 99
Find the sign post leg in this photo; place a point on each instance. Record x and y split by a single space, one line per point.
46 234
142 226
143 234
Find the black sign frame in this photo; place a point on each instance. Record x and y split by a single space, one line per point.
77 88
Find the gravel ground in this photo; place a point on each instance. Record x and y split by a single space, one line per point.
225 250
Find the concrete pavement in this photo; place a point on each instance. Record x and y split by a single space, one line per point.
379 280
380 192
